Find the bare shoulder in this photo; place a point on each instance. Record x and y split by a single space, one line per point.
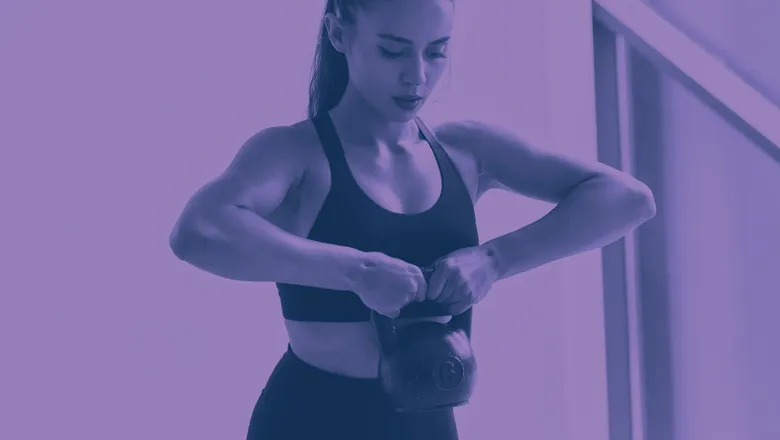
284 147
477 138
457 140
504 160
267 166
473 141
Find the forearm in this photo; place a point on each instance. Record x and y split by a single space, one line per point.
240 245
595 214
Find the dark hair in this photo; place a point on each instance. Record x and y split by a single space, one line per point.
330 74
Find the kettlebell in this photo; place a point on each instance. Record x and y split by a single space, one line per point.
427 365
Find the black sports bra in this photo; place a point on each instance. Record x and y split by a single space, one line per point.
349 217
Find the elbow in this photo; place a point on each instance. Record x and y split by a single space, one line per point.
184 240
178 244
640 202
630 198
650 208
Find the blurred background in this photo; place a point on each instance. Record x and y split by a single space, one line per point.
113 113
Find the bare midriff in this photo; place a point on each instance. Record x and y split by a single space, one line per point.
345 348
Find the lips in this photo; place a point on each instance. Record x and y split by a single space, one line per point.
409 98
408 102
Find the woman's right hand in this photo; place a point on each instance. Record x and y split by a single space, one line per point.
387 284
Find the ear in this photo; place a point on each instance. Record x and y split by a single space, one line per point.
337 32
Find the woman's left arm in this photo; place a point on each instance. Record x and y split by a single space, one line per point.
595 204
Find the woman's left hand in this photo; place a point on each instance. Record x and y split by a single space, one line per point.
462 278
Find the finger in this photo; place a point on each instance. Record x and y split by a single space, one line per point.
422 288
453 292
437 284
459 307
421 293
404 300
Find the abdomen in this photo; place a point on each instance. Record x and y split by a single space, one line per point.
346 348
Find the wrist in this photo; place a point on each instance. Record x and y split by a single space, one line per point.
342 267
349 268
493 260
326 266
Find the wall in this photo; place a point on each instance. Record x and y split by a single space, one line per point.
115 112
721 209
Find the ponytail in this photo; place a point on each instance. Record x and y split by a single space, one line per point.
330 73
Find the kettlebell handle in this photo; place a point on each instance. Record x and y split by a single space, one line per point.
462 322
458 322
386 332
387 335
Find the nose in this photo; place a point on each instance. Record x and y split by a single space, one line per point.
414 72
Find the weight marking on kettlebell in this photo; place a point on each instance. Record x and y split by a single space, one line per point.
449 373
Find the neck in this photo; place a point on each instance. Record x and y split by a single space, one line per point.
363 124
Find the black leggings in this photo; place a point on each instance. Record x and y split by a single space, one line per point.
301 401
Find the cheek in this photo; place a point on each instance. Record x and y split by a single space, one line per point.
436 70
374 73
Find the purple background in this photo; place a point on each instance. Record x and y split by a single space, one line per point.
113 113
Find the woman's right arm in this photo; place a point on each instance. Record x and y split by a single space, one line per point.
223 229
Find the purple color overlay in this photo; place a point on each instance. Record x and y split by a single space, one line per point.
111 113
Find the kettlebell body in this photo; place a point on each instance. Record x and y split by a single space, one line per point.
427 365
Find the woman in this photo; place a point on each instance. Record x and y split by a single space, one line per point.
342 210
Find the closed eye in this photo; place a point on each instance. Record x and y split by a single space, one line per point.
393 55
390 54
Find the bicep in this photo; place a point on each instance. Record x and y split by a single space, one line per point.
259 178
536 173
508 162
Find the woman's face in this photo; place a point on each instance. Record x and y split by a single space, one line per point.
397 51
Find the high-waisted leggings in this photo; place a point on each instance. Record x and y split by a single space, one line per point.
301 402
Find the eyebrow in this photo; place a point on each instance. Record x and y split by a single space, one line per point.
408 41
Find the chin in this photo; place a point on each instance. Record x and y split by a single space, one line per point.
396 114
401 118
